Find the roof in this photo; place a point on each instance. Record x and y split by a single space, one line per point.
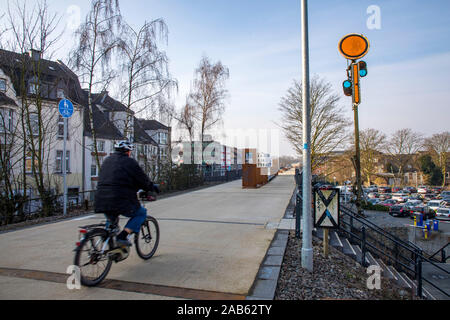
109 104
104 129
5 100
19 66
140 136
152 125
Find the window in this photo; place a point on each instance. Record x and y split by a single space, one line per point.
29 163
100 146
33 88
61 127
163 138
34 124
6 119
94 168
60 93
3 85
59 156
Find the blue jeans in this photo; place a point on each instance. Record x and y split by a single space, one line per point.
137 218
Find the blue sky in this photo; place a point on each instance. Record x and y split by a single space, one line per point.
259 41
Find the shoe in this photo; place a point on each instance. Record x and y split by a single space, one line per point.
123 243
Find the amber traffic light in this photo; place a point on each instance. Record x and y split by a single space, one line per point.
355 79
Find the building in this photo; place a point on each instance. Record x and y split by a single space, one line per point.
31 129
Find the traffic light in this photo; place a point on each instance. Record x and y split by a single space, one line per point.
362 68
347 86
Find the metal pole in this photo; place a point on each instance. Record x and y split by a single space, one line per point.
307 251
357 161
64 161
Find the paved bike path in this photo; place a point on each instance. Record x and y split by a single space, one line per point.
212 243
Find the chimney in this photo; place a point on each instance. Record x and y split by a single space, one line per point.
35 55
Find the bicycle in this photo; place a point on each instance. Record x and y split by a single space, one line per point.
98 242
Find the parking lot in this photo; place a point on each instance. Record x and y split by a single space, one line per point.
412 203
429 202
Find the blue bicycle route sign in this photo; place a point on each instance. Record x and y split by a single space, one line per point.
65 108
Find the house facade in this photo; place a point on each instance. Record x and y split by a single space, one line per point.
31 129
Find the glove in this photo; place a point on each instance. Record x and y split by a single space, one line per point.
142 194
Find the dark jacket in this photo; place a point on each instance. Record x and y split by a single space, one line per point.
119 180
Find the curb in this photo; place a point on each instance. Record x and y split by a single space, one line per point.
267 278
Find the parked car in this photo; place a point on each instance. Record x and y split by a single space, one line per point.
400 197
429 196
443 213
372 195
445 194
388 202
398 211
384 190
410 189
413 202
374 201
424 210
436 190
434 204
422 189
384 196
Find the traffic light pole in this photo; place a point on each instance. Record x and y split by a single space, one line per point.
356 101
357 161
353 47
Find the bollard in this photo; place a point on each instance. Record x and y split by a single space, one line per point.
420 220
428 224
425 232
435 225
415 221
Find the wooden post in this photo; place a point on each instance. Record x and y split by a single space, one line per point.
325 242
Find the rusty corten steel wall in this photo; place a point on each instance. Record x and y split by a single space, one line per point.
249 178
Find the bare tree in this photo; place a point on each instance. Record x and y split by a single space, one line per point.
187 122
372 143
439 146
402 145
145 66
328 125
208 94
91 57
32 29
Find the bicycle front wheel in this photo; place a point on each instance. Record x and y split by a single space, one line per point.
147 239
92 257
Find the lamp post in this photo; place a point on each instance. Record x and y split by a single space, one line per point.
307 251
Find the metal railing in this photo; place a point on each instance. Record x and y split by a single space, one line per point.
403 255
442 253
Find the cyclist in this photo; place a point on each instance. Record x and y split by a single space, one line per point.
119 180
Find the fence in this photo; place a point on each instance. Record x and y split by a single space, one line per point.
30 208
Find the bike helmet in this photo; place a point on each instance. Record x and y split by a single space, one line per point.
123 146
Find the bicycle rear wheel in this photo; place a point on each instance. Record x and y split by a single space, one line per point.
92 257
147 239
